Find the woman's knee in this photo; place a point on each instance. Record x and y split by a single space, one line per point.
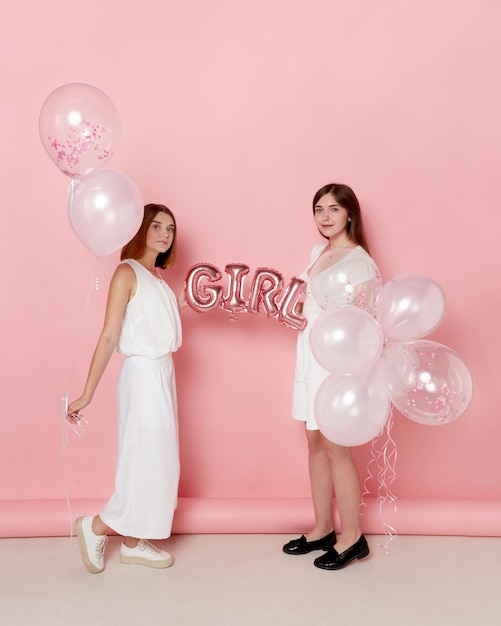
337 454
314 439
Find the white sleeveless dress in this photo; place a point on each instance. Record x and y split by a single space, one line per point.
309 375
147 472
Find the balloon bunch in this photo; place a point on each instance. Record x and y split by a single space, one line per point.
80 130
378 361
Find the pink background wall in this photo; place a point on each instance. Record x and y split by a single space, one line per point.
234 113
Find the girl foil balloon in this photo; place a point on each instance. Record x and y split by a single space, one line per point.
200 294
266 285
234 301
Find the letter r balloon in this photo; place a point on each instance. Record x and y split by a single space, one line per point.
266 284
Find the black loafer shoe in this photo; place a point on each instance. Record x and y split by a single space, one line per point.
301 546
333 560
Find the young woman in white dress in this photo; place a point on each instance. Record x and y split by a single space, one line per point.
142 322
332 470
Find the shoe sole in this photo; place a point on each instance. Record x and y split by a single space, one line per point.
137 560
307 551
83 549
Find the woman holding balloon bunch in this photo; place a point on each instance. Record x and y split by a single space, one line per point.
340 272
142 321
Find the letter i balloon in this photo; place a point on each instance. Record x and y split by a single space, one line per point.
80 130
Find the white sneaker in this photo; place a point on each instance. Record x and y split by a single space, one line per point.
145 553
91 545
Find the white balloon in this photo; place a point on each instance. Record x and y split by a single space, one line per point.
352 410
105 211
346 340
411 306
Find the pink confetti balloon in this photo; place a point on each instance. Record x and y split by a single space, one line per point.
411 307
80 129
333 286
429 383
105 211
346 340
352 410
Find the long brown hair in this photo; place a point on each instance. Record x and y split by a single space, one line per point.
135 248
349 201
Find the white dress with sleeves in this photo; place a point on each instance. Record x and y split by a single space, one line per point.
359 269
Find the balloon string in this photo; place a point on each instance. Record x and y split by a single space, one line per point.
66 472
387 459
383 462
71 365
370 475
72 361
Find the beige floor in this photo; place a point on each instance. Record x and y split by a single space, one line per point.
239 580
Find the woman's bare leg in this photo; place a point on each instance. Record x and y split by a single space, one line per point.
321 486
347 490
100 528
